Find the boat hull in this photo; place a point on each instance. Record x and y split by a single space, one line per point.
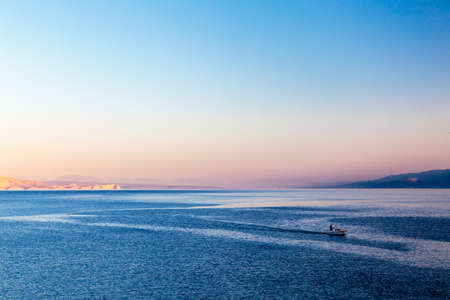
335 233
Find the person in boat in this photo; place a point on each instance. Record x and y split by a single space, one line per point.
331 227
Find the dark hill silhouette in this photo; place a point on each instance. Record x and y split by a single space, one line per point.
427 179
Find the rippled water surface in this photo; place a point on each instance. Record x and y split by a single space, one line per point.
242 244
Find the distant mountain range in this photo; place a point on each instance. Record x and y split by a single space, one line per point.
87 183
12 184
125 184
427 179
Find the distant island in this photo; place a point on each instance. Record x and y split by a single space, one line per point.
427 179
12 184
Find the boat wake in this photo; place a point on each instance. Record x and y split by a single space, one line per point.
256 226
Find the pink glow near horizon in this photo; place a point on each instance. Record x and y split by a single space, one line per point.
224 160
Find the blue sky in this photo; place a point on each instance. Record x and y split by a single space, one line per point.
206 80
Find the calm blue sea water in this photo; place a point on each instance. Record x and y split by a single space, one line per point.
238 244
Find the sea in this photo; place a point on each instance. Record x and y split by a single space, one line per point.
225 244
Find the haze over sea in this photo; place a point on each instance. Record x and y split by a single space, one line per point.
209 244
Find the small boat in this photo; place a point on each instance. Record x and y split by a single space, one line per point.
336 232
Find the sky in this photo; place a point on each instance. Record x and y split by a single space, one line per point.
224 93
